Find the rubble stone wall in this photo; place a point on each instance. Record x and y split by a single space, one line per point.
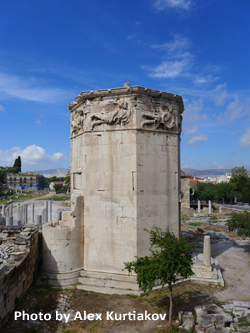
20 248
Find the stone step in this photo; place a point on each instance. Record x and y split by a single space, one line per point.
108 276
104 290
108 283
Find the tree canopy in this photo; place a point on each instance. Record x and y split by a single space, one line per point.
17 165
239 222
238 187
169 257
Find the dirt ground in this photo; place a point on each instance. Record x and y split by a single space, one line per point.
232 254
45 300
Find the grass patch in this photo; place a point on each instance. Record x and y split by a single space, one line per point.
21 198
70 330
132 296
195 224
243 322
213 218
182 295
95 326
231 313
60 198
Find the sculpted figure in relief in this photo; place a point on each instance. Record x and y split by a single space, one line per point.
121 115
77 122
159 119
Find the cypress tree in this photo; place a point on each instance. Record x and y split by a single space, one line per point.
17 165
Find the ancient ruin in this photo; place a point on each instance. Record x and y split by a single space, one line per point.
19 258
125 177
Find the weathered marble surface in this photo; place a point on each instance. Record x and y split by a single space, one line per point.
125 163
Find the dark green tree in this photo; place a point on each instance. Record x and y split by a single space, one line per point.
17 165
241 182
205 191
59 188
3 173
239 179
169 257
240 222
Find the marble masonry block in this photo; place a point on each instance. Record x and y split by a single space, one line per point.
125 163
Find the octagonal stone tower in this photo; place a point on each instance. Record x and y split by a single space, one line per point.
125 167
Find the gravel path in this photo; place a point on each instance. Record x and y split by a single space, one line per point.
234 261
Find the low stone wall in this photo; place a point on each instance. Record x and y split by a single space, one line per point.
19 256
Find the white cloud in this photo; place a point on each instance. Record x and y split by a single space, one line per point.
245 139
193 115
205 78
180 62
31 155
220 94
178 4
28 89
169 69
197 139
176 46
2 108
236 110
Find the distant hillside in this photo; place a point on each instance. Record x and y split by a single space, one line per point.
206 173
60 172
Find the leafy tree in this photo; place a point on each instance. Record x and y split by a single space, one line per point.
48 180
67 178
169 257
224 191
209 193
238 172
17 165
205 191
58 188
3 172
241 183
240 222
239 178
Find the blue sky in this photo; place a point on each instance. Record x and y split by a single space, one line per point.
50 51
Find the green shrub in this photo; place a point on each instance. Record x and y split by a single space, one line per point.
195 224
240 222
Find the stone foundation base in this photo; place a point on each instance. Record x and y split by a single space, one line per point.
108 283
62 280
207 275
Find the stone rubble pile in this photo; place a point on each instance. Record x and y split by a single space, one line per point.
5 251
211 318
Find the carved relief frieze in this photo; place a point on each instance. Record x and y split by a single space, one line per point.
118 115
77 122
161 118
138 108
94 112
